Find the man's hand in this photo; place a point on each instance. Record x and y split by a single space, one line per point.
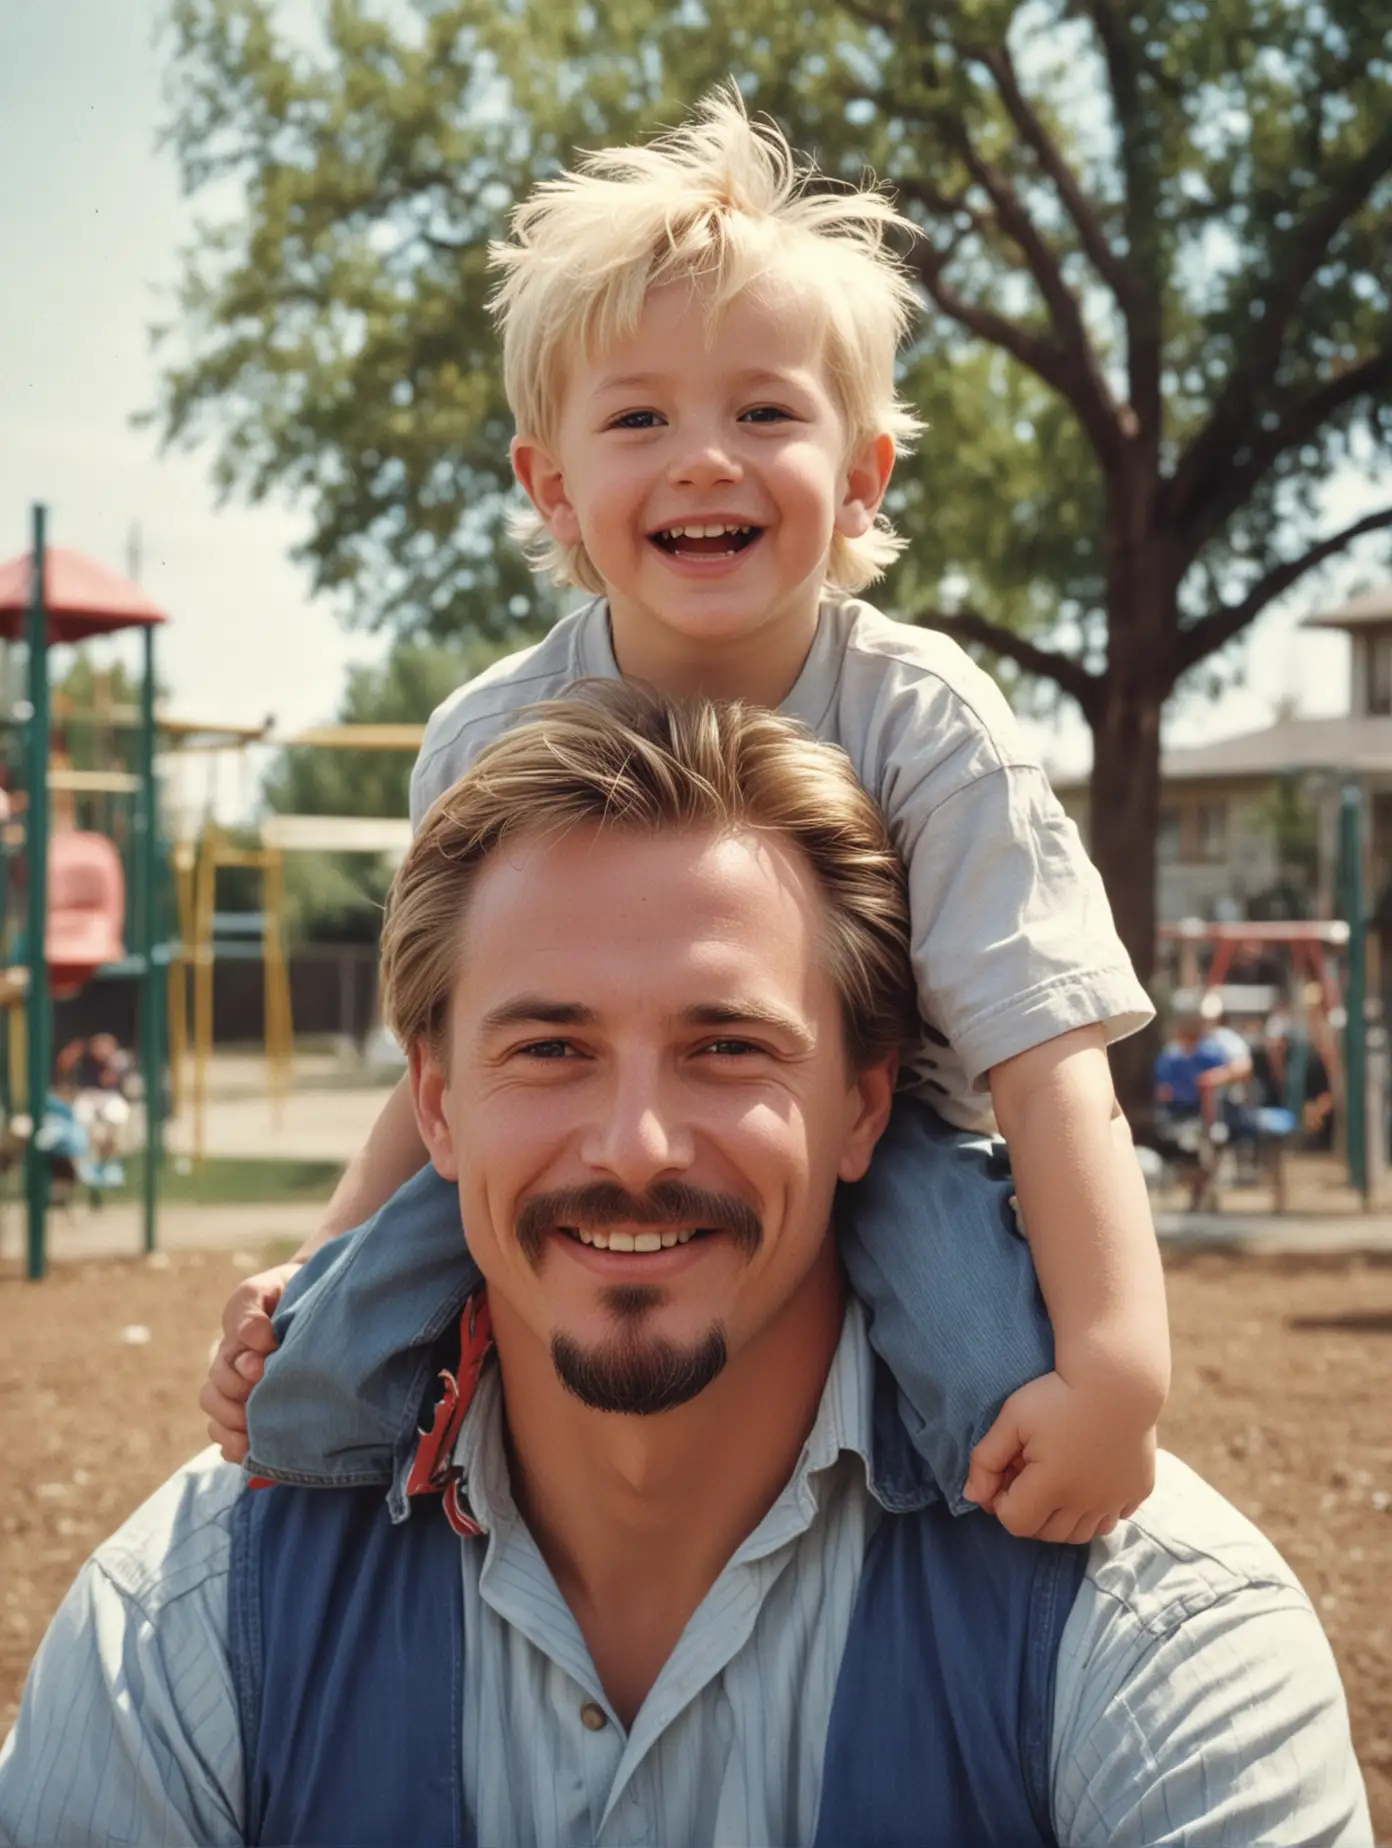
1065 1464
239 1358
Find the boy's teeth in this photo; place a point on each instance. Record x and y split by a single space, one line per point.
703 532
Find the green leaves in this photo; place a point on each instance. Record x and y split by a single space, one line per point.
1153 260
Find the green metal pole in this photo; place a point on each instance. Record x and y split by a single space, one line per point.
152 974
1356 997
39 1013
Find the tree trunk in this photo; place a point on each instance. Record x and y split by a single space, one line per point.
1125 815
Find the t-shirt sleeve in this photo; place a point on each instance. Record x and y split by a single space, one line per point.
1013 939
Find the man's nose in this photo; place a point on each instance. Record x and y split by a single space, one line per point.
640 1132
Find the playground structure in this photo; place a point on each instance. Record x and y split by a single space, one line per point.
86 914
97 900
1323 1004
211 935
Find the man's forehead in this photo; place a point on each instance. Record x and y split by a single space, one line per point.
621 869
706 920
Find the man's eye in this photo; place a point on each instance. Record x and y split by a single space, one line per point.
731 1048
547 1049
765 413
636 420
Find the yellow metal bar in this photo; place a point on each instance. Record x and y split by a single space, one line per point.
254 857
93 782
358 738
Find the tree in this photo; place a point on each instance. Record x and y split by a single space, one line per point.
338 897
1153 256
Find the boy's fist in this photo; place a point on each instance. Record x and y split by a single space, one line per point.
1062 1463
239 1357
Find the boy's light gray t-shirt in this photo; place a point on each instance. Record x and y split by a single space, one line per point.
1013 939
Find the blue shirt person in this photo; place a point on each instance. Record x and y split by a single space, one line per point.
650 959
1194 1053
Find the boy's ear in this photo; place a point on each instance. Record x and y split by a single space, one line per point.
867 477
428 1086
544 485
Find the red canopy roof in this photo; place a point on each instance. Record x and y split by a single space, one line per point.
83 598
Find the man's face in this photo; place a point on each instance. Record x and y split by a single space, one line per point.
648 1102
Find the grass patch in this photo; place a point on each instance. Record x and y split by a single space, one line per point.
227 1180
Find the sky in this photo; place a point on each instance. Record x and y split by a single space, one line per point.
91 223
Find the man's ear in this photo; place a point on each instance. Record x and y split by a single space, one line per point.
544 485
868 1104
428 1086
867 477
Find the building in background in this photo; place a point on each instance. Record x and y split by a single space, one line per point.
1248 825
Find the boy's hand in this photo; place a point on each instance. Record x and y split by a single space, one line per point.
239 1358
1064 1463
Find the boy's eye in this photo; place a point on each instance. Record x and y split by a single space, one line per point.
635 420
765 413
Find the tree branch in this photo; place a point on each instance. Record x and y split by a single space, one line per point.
1204 638
1110 266
1205 462
1143 310
1238 480
1047 663
1087 389
1044 359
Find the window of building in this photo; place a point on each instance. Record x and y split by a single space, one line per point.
1379 660
1167 837
1213 830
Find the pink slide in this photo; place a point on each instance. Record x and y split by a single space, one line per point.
86 907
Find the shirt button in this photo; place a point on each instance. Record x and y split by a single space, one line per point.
593 1716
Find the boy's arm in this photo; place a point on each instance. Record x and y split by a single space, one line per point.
1086 1216
392 1153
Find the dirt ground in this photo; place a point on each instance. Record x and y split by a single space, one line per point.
1283 1396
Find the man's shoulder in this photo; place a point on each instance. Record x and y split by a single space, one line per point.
1186 1549
479 709
1197 1697
179 1542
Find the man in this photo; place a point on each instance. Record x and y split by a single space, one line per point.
650 960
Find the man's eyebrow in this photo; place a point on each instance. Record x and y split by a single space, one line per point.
750 1014
536 1010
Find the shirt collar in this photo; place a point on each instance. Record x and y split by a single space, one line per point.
845 1422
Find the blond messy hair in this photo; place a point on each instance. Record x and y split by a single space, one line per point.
723 204
619 755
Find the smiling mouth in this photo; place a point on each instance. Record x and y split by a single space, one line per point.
609 1239
708 539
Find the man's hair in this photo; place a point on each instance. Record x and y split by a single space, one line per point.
723 205
619 756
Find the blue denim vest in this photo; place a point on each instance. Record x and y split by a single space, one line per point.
347 1642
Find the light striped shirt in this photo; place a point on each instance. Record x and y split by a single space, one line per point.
1197 1701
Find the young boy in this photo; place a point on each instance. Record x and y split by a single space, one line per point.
699 350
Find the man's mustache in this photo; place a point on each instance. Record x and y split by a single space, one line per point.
666 1203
